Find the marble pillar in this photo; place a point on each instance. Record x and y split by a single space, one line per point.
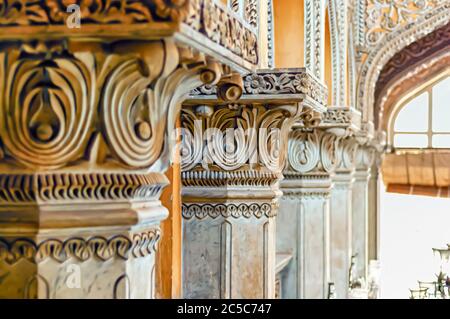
232 160
304 218
341 230
360 211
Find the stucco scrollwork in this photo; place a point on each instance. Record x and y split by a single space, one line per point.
346 154
384 16
312 152
236 136
82 249
52 99
392 43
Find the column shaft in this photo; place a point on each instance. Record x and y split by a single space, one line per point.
360 222
303 231
341 231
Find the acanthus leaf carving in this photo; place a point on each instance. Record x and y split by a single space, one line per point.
312 152
55 100
234 137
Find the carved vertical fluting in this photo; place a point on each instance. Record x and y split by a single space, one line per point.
86 137
303 222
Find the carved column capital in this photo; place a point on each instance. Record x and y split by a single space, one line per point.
347 148
86 131
233 155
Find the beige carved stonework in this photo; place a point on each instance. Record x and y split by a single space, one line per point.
232 161
393 42
303 225
86 129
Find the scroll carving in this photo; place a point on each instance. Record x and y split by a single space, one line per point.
52 103
247 210
82 249
311 152
255 138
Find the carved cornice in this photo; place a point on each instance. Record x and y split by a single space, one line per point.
277 85
82 249
197 22
233 210
341 117
306 186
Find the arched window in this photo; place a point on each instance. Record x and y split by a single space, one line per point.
423 120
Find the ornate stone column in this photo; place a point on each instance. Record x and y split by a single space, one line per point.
341 217
233 156
304 220
88 106
360 210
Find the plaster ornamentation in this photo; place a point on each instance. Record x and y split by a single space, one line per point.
385 16
277 82
82 249
392 43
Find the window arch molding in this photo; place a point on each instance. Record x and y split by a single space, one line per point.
427 100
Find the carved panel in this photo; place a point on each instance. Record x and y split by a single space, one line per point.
61 107
280 82
384 16
247 210
311 152
236 136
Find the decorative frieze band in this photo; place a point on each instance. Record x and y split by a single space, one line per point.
278 83
209 178
207 18
247 210
82 249
53 187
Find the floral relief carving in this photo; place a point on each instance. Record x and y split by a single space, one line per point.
204 16
28 12
337 116
215 21
264 82
384 16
